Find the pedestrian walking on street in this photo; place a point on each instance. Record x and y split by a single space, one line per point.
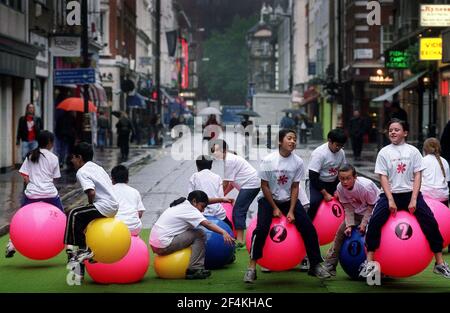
282 198
177 228
124 130
240 174
39 169
102 130
97 186
28 130
400 167
357 130
66 135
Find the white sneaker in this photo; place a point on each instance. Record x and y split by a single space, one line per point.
265 270
304 266
442 269
368 268
10 250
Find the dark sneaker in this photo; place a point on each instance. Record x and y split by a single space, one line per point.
367 269
10 250
232 259
319 271
442 269
330 268
250 275
304 266
197 274
240 245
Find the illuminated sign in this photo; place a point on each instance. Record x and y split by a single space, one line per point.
430 49
397 59
434 15
381 81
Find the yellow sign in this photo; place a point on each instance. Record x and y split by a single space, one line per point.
430 49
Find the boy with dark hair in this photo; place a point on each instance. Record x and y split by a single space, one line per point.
323 173
131 207
210 183
97 185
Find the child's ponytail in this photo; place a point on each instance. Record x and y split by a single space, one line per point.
178 201
44 139
432 146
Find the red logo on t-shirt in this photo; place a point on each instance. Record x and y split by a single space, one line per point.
401 168
282 180
333 171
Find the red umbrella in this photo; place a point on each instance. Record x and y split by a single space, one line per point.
75 104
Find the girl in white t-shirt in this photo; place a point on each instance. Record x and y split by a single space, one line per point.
240 174
400 167
38 171
436 175
176 229
280 173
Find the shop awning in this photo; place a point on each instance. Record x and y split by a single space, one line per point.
388 95
17 58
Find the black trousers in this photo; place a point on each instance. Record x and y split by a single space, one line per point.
423 214
302 223
357 144
316 197
77 221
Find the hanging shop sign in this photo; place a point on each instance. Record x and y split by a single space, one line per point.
430 49
435 15
381 81
397 59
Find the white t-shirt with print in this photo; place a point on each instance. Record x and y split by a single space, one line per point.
280 173
239 171
174 221
399 163
93 176
41 175
363 194
434 184
326 163
211 184
130 204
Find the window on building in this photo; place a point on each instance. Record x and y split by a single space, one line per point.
14 4
387 37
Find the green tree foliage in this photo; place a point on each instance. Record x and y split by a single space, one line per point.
224 76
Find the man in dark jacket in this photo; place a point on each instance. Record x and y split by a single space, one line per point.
28 130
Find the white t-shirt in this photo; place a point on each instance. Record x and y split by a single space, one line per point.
93 176
434 184
211 184
326 163
174 221
41 175
239 171
130 204
280 173
399 163
363 194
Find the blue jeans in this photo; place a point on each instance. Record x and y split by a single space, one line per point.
56 201
243 201
101 137
62 150
27 146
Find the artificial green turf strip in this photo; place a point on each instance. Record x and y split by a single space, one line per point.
19 274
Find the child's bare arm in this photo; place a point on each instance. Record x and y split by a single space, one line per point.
91 195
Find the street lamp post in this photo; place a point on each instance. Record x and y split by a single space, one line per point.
87 132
